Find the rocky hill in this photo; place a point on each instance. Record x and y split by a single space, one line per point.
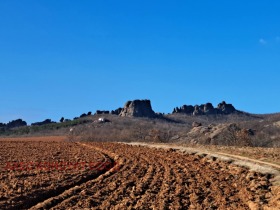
143 108
137 121
206 109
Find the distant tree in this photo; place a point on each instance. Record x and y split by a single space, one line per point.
47 121
89 113
61 119
2 127
16 123
83 115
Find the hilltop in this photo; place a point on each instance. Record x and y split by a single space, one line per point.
137 121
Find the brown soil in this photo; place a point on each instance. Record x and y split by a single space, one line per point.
33 171
142 178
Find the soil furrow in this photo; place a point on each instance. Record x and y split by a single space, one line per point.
142 178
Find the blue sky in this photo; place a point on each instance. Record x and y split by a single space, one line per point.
65 57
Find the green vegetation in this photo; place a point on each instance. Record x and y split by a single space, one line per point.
38 129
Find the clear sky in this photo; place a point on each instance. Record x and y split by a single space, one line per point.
66 57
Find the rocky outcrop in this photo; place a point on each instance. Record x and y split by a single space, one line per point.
187 109
196 124
209 109
117 111
226 108
138 108
221 134
206 109
198 110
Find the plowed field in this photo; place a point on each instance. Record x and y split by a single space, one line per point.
126 177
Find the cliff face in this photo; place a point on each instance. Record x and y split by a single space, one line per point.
206 109
138 108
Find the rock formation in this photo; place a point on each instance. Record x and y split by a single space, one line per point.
206 109
221 134
209 109
184 109
226 108
138 108
117 111
196 124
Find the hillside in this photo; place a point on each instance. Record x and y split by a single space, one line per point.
136 121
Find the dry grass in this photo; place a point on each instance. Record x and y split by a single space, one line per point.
35 138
